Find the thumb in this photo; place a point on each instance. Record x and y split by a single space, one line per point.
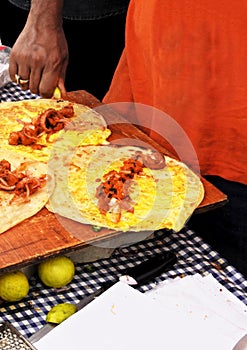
61 87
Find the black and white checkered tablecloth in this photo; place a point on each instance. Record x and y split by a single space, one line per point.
194 256
13 92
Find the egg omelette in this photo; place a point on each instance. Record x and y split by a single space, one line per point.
118 187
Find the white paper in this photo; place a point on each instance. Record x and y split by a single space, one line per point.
123 318
203 295
204 300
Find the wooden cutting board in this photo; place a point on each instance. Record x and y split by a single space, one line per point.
46 234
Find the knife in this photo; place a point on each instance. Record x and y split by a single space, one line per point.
134 276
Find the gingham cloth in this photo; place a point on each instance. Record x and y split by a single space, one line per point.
13 92
194 256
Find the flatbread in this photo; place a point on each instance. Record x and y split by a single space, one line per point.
83 127
14 209
162 198
86 126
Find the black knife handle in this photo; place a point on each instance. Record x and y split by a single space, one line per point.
154 266
145 271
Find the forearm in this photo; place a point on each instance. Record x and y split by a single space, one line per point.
46 12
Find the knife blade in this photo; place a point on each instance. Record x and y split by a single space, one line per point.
135 276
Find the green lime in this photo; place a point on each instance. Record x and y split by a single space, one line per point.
14 286
60 312
56 272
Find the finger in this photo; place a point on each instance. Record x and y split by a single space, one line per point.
34 80
48 83
61 86
24 77
13 69
19 73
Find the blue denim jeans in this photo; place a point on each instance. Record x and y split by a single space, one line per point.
225 228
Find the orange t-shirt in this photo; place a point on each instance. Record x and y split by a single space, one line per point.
189 59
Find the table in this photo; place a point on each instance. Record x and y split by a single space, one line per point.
194 256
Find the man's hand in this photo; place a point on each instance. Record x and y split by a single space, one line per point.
40 54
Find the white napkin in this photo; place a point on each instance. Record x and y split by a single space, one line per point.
206 305
190 313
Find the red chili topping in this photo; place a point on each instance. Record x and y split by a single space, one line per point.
113 192
49 122
21 184
116 185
